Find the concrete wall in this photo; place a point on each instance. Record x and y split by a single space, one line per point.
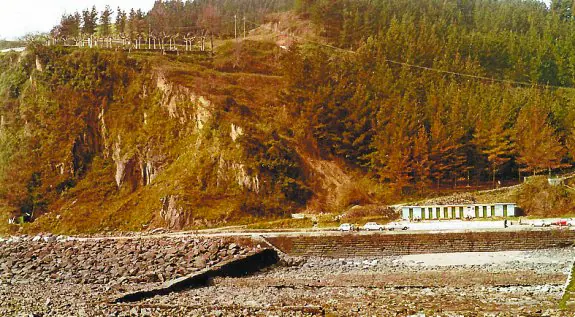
384 244
454 224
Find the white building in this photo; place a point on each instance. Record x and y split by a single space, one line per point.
459 211
14 49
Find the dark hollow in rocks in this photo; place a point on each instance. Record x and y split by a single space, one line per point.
241 266
246 265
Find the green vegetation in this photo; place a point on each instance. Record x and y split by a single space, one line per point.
414 127
11 44
564 303
538 198
167 18
282 224
93 119
392 100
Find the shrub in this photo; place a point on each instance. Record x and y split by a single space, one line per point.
363 191
357 212
538 198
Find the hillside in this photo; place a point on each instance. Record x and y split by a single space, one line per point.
327 106
145 138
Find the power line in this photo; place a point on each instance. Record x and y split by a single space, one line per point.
522 83
468 75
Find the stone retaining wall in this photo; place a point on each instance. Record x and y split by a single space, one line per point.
384 244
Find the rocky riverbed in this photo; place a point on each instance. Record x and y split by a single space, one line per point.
61 276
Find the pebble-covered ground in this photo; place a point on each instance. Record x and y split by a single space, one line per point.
62 277
514 283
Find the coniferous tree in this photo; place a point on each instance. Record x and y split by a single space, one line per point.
494 142
445 152
69 26
89 20
420 157
346 35
121 20
105 21
132 24
538 146
393 144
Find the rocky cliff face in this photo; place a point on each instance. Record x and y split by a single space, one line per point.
117 140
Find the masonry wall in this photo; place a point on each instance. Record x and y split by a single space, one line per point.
382 244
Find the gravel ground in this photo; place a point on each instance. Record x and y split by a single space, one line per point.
513 284
59 277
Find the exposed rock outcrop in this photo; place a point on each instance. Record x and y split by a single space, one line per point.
39 66
173 215
236 132
120 160
175 98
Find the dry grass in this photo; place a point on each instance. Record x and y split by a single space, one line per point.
538 198
363 194
352 194
282 224
5 227
369 211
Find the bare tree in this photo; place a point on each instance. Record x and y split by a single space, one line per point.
210 21
189 39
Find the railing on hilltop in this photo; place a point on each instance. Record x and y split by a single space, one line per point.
166 44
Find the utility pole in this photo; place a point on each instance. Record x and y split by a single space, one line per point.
244 27
236 27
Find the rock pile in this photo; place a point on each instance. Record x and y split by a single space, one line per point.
60 259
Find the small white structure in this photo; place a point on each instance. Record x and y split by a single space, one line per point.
14 49
459 211
556 181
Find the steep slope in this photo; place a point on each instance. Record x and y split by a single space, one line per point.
108 141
